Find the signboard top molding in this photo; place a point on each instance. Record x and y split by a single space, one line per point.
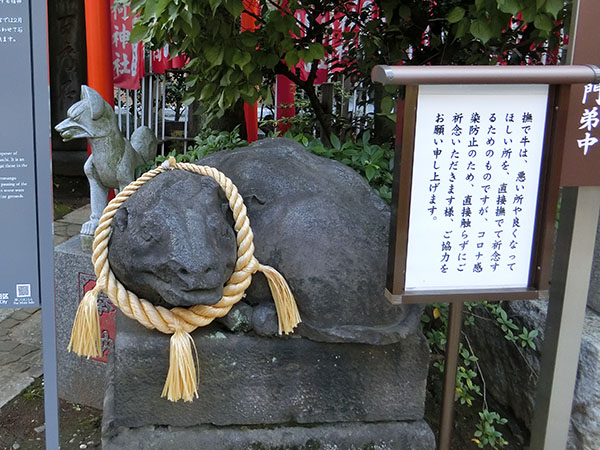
418 75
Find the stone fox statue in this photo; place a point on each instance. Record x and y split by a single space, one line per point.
114 159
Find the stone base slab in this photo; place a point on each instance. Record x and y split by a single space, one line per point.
347 436
247 380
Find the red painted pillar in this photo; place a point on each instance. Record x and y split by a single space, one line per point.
99 51
250 111
99 54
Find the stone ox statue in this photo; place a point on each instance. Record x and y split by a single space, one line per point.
114 159
314 219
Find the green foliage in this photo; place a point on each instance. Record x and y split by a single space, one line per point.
207 142
344 125
524 339
486 433
470 383
373 162
34 391
212 141
467 32
227 64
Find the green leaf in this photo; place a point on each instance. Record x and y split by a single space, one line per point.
456 15
528 15
214 55
509 7
370 172
481 30
462 28
404 11
214 4
235 7
207 91
317 51
335 141
539 3
366 137
155 9
543 22
387 103
241 58
291 58
553 7
137 34
533 333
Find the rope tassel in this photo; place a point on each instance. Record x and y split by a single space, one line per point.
287 310
85 335
182 379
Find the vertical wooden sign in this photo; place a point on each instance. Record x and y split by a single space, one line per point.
581 161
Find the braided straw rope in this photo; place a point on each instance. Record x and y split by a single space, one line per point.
177 321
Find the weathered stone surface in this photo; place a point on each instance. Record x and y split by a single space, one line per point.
29 330
173 253
12 383
80 380
247 380
348 436
512 372
594 292
585 416
317 222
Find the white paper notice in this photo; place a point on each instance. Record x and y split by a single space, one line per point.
476 170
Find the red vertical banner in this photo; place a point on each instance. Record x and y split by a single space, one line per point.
127 58
285 93
161 60
250 111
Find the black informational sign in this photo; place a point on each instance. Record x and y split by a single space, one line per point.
26 255
24 154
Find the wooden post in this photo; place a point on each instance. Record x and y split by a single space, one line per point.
455 318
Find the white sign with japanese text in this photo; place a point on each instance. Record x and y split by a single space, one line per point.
475 180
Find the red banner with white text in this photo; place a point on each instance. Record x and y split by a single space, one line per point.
128 59
161 60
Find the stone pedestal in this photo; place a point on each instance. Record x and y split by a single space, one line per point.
594 292
258 392
80 380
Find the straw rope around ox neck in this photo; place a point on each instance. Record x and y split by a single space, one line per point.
181 382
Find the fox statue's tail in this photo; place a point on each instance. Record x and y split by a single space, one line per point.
144 143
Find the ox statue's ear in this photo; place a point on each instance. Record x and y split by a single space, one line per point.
120 218
94 101
254 199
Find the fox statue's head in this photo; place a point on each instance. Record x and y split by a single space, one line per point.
90 118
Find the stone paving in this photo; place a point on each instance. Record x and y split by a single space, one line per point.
21 329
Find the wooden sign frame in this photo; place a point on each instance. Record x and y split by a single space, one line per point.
541 254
